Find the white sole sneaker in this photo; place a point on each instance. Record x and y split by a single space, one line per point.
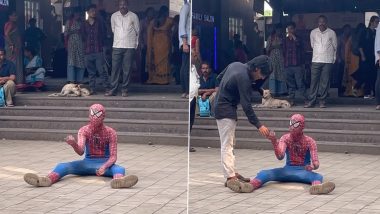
36 180
124 182
239 187
324 188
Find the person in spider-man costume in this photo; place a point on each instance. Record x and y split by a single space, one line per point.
99 144
301 159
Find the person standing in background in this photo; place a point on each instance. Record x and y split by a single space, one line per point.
13 45
277 81
143 40
74 36
352 61
126 28
176 57
342 40
377 57
196 58
257 40
34 36
184 40
293 62
95 34
366 73
324 43
159 47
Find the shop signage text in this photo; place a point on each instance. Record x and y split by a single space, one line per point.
203 17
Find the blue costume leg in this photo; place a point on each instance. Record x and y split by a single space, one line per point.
74 167
91 165
63 169
287 174
84 168
265 176
115 170
299 174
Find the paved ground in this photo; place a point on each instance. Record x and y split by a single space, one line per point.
357 179
162 172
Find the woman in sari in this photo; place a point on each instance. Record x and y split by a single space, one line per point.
159 47
352 61
277 81
13 45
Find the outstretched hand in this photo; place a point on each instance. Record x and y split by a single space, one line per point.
264 131
272 136
70 140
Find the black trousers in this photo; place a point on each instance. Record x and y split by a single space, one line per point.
193 104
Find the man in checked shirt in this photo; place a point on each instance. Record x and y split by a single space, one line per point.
99 144
301 158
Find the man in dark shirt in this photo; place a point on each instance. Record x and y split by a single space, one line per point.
293 54
34 36
236 87
208 83
7 78
95 33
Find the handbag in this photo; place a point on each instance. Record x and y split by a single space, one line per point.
2 96
204 107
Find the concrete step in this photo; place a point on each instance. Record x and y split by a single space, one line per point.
329 124
263 144
120 125
112 113
139 118
332 100
359 136
135 101
123 137
333 112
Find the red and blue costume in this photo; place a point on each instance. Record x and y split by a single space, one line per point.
301 159
99 144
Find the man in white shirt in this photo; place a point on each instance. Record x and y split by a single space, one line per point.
125 27
377 57
184 40
324 43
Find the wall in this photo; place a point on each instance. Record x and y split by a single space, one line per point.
206 19
221 12
134 5
236 9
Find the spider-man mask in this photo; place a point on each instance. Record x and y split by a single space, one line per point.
97 115
297 124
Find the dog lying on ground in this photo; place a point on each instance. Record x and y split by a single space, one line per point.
269 102
72 90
